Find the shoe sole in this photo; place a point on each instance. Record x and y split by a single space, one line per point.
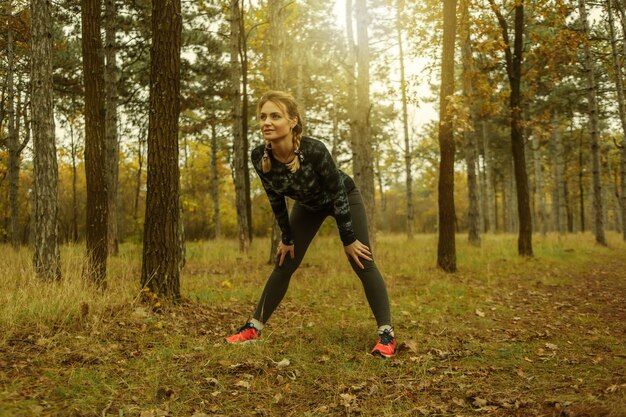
382 355
243 342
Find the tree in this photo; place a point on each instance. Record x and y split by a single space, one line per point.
95 149
161 247
47 258
514 72
446 246
593 128
362 155
111 140
239 151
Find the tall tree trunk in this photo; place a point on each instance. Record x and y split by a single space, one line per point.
408 160
243 53
560 212
446 247
490 195
12 139
142 134
351 74
514 70
112 145
613 196
593 129
581 187
362 154
161 244
473 214
619 85
215 189
239 156
74 154
542 223
47 258
95 146
276 81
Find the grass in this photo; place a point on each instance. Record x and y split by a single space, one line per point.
503 336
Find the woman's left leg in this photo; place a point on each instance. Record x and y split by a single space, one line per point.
372 280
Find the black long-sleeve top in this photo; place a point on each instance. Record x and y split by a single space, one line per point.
317 185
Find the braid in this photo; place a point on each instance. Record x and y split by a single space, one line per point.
294 165
266 163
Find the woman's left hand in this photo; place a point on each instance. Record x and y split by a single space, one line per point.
356 250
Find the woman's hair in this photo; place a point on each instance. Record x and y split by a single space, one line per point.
290 106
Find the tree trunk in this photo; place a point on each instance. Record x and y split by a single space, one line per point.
489 193
276 82
593 128
142 133
514 70
215 190
446 247
560 212
619 85
161 244
542 223
351 74
581 187
362 154
47 258
95 146
473 215
13 140
239 156
408 162
74 154
112 145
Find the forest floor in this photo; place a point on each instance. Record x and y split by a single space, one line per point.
504 336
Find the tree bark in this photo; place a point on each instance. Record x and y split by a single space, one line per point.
408 160
95 146
542 223
619 85
112 144
593 129
490 224
559 202
514 70
161 246
12 139
473 215
47 258
581 187
215 189
362 154
239 156
446 247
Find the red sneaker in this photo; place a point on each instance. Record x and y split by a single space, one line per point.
246 333
386 346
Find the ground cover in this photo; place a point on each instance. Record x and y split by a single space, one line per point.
503 336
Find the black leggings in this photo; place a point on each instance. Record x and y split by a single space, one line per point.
304 225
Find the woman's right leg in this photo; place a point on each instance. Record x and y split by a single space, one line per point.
304 225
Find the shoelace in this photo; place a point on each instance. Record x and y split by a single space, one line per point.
386 337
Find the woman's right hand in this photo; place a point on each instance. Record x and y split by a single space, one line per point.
283 250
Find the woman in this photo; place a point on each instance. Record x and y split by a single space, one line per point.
295 166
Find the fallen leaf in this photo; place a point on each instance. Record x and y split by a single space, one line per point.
551 346
479 402
479 313
243 384
410 344
226 284
283 363
527 359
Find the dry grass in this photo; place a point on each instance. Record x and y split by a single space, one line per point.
504 336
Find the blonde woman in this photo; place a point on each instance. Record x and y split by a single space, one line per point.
301 168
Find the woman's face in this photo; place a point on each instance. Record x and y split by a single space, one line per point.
274 121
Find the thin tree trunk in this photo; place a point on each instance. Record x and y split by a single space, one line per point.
74 152
238 134
514 70
215 190
542 222
619 84
581 188
446 247
613 196
560 221
490 198
351 74
112 145
162 255
243 53
362 154
47 258
593 127
12 139
142 133
408 162
95 146
469 137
